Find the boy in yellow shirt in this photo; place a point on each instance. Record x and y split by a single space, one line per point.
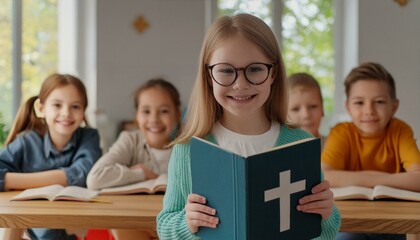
375 148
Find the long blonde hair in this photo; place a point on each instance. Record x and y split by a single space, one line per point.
203 109
26 118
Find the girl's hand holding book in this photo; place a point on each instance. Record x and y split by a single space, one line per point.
198 214
320 201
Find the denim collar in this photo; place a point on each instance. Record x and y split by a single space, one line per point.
49 147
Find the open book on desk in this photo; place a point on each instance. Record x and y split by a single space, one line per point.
378 192
255 197
150 186
57 192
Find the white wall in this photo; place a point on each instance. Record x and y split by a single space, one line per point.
393 38
169 48
389 34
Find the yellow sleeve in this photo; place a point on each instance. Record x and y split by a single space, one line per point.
336 151
408 150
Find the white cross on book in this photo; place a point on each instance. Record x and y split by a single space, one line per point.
283 193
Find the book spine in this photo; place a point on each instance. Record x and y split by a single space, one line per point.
246 199
235 197
241 198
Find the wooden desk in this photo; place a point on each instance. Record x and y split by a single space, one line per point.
138 211
380 216
129 211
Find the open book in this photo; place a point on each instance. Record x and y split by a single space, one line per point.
57 192
151 186
255 197
378 192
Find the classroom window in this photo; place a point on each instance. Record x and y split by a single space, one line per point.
31 27
306 35
5 65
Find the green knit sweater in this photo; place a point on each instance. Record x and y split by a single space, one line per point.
171 223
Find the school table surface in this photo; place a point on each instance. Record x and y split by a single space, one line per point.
379 216
124 211
140 211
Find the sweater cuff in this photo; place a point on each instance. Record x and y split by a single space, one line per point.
140 174
186 232
330 226
2 175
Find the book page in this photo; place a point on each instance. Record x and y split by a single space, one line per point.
160 183
381 191
148 186
139 187
76 193
47 192
352 192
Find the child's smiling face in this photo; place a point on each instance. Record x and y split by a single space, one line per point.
241 99
63 111
157 116
370 106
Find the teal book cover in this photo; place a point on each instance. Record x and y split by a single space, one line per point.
255 197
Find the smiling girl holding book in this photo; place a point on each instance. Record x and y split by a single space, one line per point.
240 91
47 144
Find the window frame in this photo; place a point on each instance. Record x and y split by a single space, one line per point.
16 55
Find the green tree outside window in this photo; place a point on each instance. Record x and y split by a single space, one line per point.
39 50
3 132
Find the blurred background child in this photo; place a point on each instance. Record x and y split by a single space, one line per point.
141 154
375 148
50 147
305 104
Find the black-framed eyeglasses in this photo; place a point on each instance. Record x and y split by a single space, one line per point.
225 74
